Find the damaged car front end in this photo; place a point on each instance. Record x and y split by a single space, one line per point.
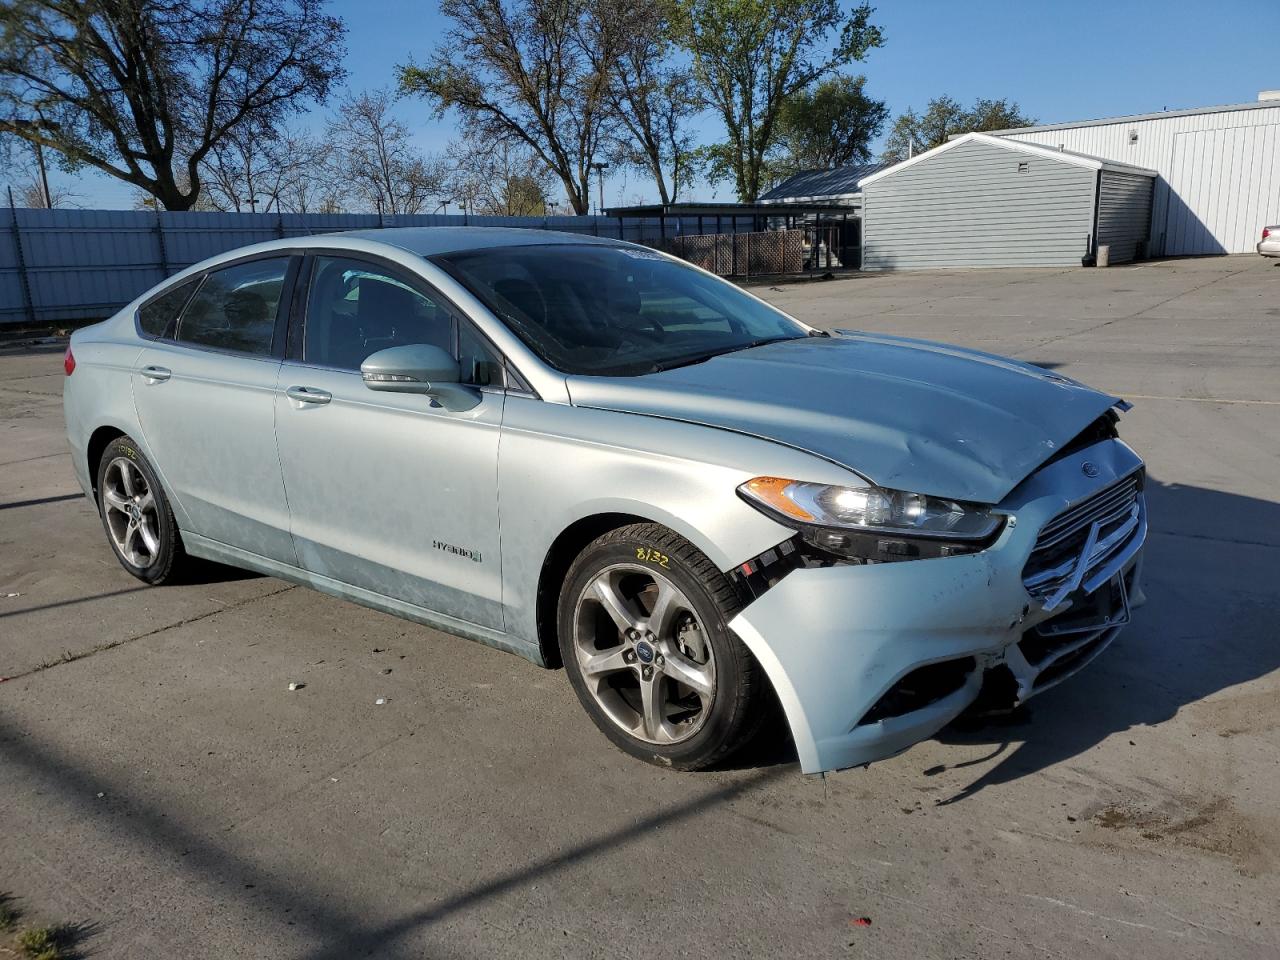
888 648
987 545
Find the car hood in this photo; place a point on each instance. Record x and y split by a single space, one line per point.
905 414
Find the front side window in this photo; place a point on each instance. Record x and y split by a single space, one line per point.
355 308
615 311
235 308
155 317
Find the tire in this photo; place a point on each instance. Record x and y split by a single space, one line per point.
137 517
619 667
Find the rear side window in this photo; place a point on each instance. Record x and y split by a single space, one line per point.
235 309
155 317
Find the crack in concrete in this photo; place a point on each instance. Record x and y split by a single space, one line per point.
70 657
1134 316
46 456
1232 540
1146 396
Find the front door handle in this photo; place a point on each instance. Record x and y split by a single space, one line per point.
154 374
308 395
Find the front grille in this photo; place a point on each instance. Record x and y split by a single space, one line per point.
1115 509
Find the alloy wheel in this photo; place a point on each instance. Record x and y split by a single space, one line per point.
643 654
130 508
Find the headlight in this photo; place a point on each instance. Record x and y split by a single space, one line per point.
871 522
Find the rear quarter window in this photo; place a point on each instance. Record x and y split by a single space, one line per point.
155 317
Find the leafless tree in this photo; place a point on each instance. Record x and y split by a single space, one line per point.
145 90
28 177
246 172
374 158
500 179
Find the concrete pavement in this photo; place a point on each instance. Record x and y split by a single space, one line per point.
170 791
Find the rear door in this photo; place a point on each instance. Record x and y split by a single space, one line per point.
390 492
204 392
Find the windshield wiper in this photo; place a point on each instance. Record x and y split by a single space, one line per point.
702 357
660 365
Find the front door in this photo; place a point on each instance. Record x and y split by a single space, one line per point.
389 492
205 401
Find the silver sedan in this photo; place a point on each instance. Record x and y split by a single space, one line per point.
597 456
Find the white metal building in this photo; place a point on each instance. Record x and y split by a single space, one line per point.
1219 169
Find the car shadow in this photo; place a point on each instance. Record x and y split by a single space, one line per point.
1211 567
201 571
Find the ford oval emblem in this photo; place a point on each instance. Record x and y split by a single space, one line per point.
1089 468
644 652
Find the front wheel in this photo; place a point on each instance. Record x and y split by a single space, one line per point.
137 516
643 627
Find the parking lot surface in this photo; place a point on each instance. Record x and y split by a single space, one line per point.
160 784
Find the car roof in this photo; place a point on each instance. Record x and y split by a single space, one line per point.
429 241
416 241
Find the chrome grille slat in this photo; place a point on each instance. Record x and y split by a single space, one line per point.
1073 517
1114 512
1116 489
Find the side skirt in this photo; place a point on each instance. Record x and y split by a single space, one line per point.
208 549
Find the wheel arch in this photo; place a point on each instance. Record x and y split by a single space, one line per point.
570 542
97 445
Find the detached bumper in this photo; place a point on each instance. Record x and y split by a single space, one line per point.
868 660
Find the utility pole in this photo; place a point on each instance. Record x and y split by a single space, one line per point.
38 148
600 168
44 177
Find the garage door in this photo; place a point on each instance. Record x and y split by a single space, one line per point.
1224 188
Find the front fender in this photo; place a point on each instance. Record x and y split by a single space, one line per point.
559 464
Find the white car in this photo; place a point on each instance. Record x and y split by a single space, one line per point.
1269 245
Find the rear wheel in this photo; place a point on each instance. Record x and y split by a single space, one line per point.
137 516
644 635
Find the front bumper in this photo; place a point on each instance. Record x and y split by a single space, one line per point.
836 640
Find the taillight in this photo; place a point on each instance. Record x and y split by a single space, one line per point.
69 362
1266 232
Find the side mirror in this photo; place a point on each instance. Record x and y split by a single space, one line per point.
419 368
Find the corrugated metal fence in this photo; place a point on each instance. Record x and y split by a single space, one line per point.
67 265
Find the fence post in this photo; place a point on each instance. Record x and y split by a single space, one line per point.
733 253
24 280
748 256
164 252
279 224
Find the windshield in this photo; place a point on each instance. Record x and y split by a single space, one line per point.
615 311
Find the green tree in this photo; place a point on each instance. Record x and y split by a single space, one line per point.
751 56
945 118
831 125
536 72
144 90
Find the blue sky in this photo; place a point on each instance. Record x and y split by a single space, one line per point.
1060 60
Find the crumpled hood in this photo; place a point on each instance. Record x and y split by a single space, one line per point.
906 414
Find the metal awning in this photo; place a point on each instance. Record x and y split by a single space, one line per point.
727 209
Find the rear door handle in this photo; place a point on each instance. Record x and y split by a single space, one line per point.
308 395
154 374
